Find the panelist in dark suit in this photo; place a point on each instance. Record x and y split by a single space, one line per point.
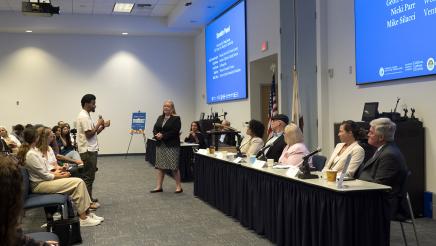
276 142
195 136
166 131
229 138
387 166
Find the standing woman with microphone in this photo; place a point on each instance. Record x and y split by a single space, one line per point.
166 131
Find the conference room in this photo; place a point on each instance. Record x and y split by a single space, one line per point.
169 76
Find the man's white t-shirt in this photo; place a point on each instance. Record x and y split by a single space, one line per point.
84 123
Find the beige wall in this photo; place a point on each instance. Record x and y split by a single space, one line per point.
48 75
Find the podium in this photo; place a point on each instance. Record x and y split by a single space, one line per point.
410 138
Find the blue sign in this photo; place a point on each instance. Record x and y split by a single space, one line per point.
138 121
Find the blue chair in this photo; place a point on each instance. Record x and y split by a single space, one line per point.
33 200
318 161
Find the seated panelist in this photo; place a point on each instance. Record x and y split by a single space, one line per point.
349 133
195 136
274 146
252 143
295 149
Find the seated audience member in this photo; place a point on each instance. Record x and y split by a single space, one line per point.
349 134
276 143
4 147
295 149
253 142
195 136
17 131
44 180
10 140
65 150
387 166
46 140
11 206
228 138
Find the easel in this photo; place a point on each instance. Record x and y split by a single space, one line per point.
134 131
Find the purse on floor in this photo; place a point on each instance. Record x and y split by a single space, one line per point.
68 230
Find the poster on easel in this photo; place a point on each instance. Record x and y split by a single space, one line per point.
138 122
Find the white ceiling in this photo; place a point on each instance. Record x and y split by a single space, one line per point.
171 17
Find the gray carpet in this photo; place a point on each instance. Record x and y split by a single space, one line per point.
133 216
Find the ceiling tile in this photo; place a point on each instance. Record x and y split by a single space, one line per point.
162 10
142 12
168 1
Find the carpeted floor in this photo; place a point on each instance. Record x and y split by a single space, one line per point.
133 216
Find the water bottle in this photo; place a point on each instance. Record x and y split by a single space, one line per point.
57 216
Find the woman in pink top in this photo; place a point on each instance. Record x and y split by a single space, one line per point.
295 149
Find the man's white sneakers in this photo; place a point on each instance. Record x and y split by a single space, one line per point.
94 216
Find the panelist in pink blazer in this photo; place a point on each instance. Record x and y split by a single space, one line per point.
295 149
349 133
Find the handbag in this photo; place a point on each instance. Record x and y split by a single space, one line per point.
68 230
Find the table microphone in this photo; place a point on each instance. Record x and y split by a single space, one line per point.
312 153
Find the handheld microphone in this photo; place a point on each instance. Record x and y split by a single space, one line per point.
312 153
100 117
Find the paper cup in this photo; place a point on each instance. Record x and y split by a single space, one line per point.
270 162
331 175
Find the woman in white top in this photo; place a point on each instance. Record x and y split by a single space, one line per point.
349 133
45 179
252 143
295 149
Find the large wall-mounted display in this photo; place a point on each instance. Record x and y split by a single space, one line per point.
226 56
395 39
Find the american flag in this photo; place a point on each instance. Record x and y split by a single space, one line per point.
272 107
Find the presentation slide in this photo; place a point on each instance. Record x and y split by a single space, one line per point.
395 39
226 61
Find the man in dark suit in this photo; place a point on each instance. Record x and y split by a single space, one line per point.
277 142
387 166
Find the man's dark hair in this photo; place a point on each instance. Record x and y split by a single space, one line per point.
18 127
256 127
87 99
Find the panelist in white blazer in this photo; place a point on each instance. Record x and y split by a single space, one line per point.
252 142
349 134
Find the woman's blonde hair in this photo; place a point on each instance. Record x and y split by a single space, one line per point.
173 109
293 134
42 143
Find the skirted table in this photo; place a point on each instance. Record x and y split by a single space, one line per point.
291 211
185 159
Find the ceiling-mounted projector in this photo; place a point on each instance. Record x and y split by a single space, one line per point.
39 8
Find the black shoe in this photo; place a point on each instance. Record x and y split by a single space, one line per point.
94 199
178 191
155 191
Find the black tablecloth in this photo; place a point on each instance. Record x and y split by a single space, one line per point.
289 212
185 159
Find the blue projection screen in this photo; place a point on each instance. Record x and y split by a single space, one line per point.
395 39
226 62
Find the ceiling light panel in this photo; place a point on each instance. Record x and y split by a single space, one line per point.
123 7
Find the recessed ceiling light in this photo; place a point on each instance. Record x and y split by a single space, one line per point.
124 33
123 7
29 31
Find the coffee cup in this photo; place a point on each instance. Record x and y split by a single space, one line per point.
331 175
211 150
